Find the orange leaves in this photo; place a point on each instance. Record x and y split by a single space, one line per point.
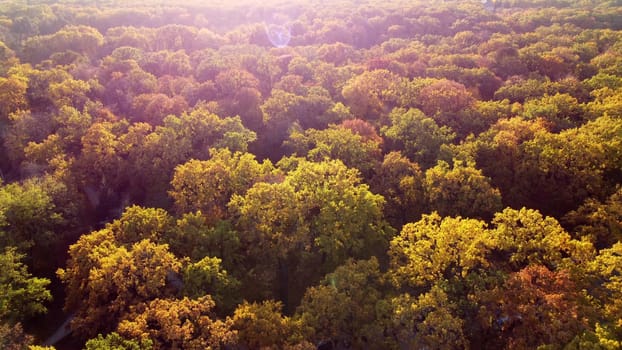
175 324
104 280
535 306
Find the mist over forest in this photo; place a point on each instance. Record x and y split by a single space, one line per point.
424 174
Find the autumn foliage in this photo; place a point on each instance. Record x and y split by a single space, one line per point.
422 174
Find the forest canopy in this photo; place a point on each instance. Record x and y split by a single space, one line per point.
422 174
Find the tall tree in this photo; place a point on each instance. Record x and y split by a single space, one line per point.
262 325
178 323
320 209
104 280
461 190
401 183
370 95
344 308
427 321
417 136
208 185
22 295
534 307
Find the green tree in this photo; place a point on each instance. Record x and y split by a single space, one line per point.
21 295
481 116
561 110
78 38
282 109
337 142
551 172
417 136
344 308
319 209
153 154
159 63
29 219
207 277
461 190
575 160
427 321
116 342
600 222
400 182
197 236
72 126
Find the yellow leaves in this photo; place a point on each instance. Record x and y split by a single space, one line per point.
436 248
173 323
261 325
138 223
533 239
103 279
368 94
12 94
208 185
70 92
607 267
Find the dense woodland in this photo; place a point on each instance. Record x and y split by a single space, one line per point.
369 174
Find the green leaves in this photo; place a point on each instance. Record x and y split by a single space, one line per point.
461 190
345 306
418 136
116 342
207 277
309 223
28 217
21 295
427 321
